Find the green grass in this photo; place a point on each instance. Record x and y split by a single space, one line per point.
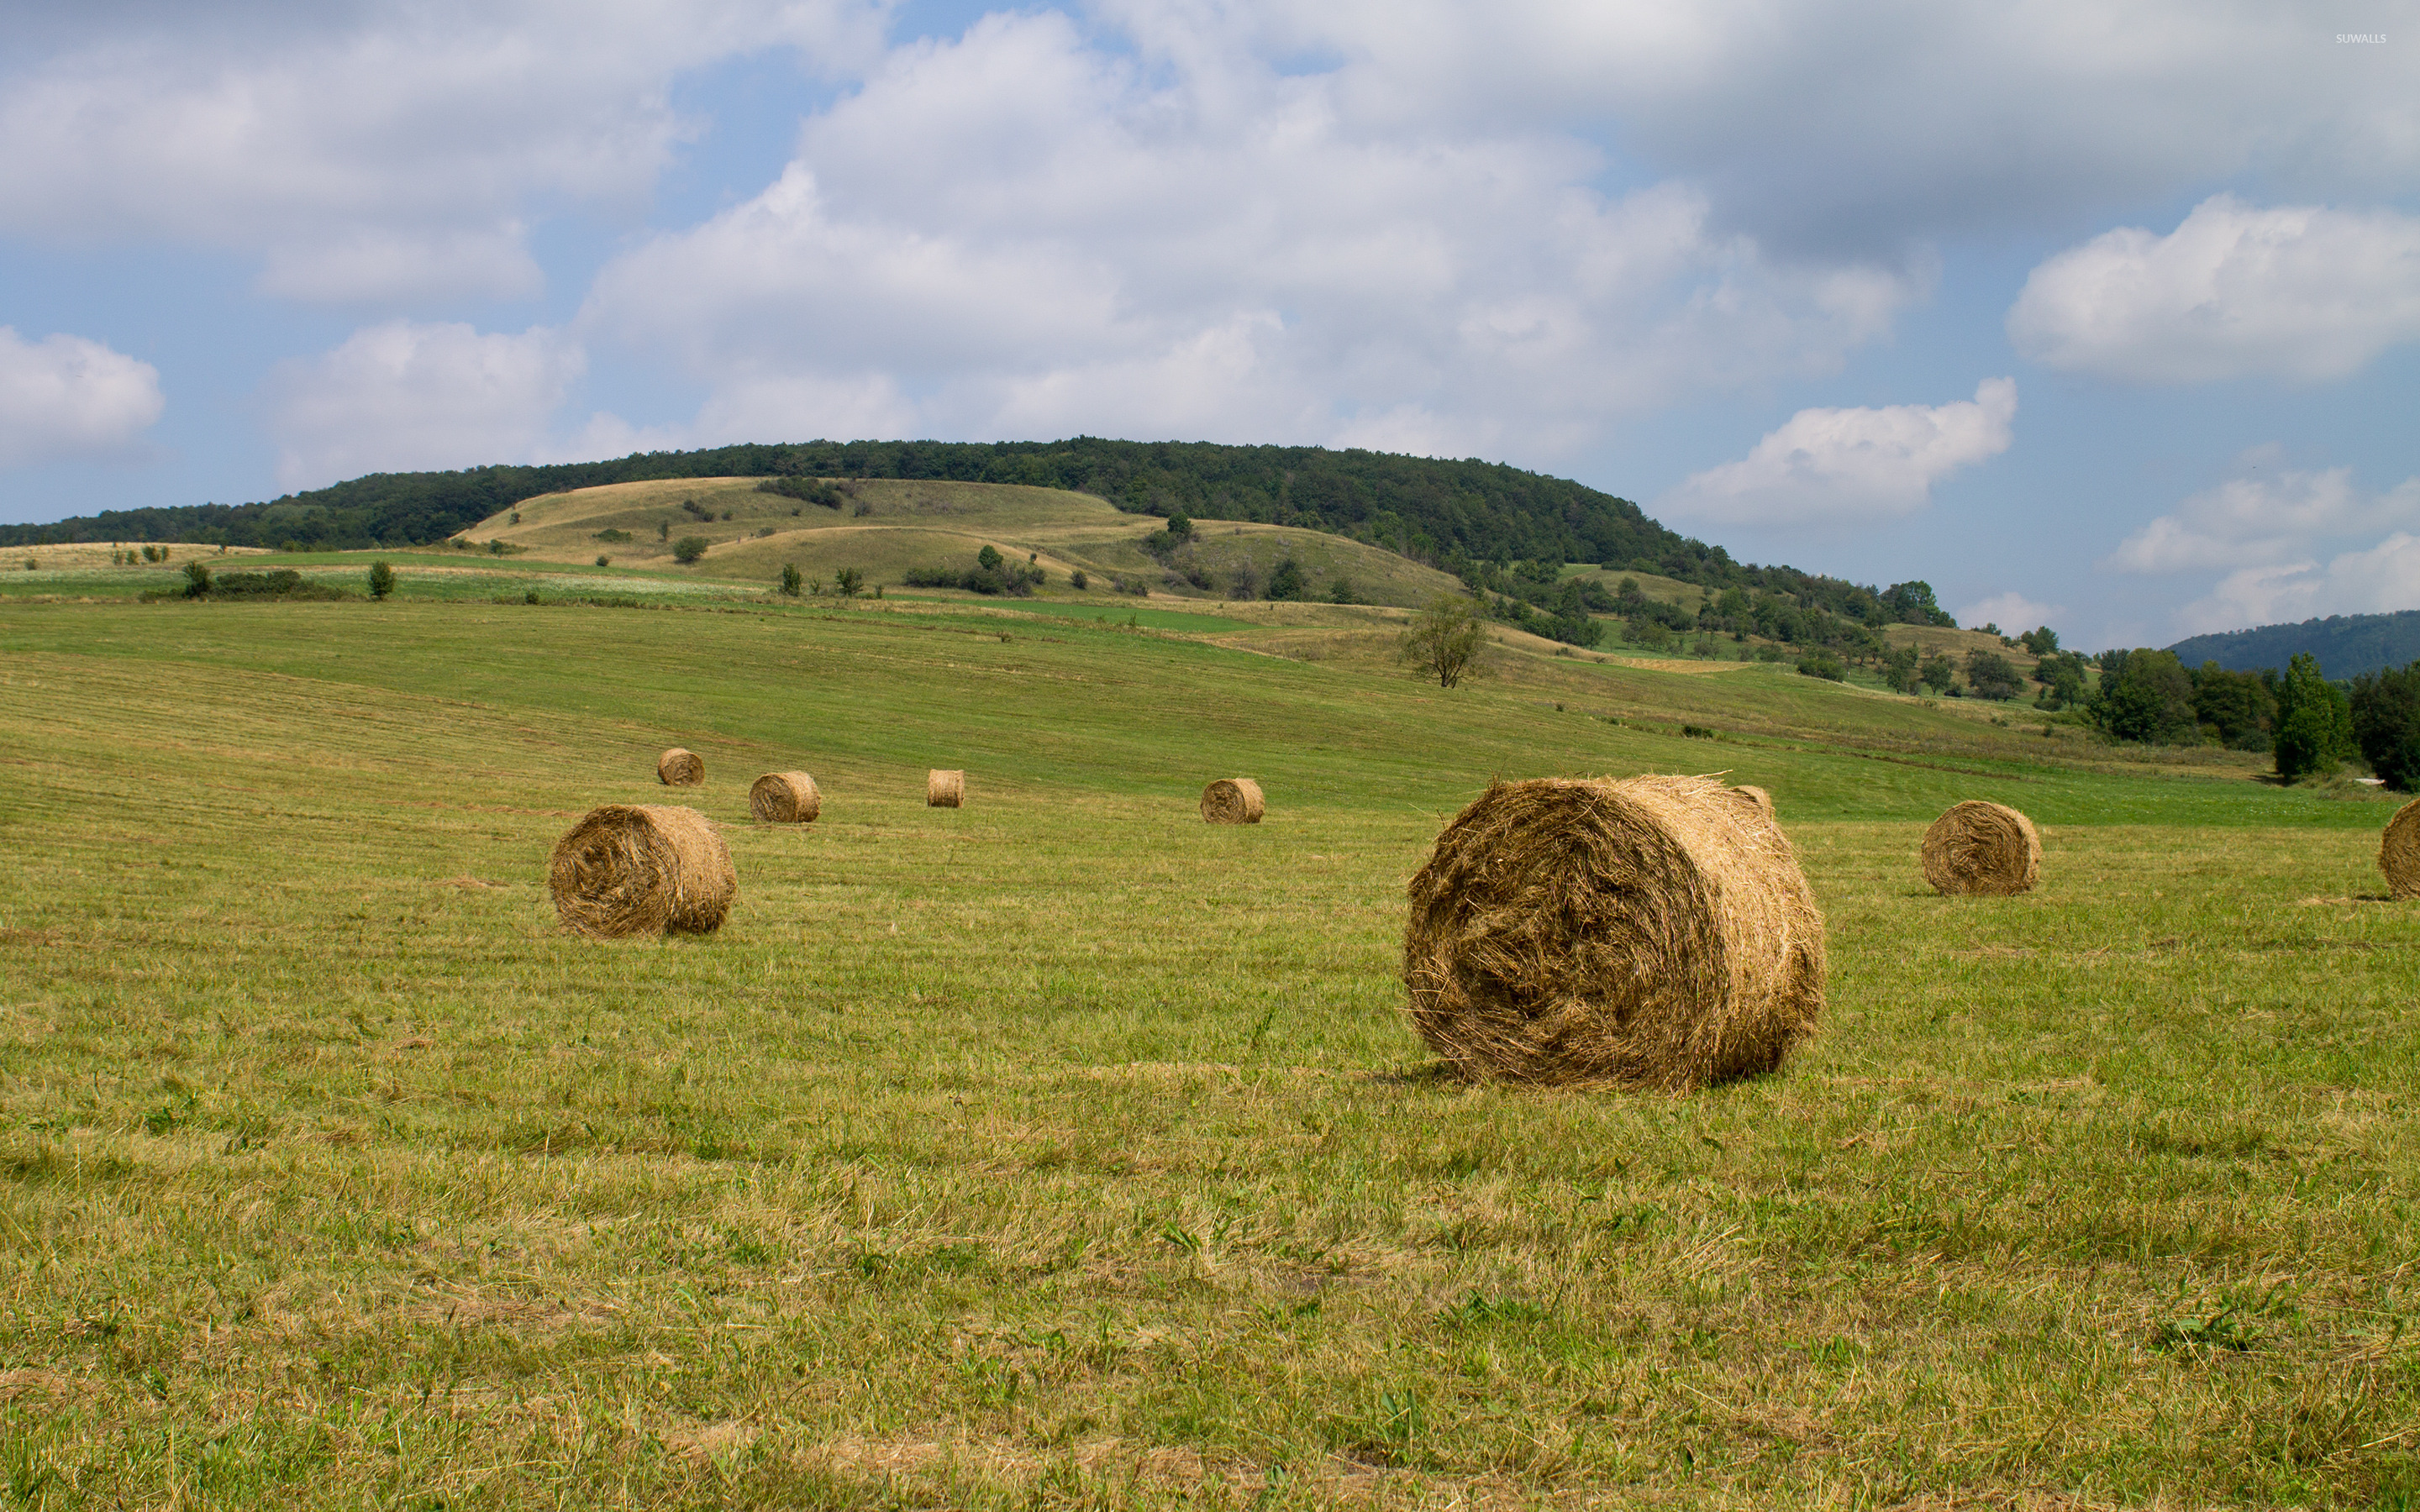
1064 1151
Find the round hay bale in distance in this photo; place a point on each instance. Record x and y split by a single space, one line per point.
785 798
642 868
1233 800
1982 849
680 768
945 789
1650 932
2398 853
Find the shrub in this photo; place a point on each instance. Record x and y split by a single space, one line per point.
688 549
604 562
1825 665
792 580
381 580
611 536
517 516
1077 580
1287 583
32 564
2149 697
2386 725
864 508
849 582
1937 673
1135 586
197 580
1341 591
1244 581
810 490
663 529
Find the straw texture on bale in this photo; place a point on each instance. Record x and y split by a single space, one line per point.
642 868
2398 852
1984 849
681 768
1233 800
1757 796
1650 932
945 789
785 798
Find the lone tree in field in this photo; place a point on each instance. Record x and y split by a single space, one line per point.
381 580
1938 673
849 582
792 580
2314 721
688 549
1444 642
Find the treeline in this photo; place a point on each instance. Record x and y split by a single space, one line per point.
2311 725
1498 528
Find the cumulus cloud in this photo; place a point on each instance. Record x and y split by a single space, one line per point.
67 396
1028 234
2290 543
401 397
1826 467
2296 292
378 154
1867 124
2014 613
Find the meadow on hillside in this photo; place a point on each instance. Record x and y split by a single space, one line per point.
1062 1151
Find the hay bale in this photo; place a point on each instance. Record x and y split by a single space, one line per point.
1983 849
785 798
945 789
1652 931
642 868
1756 795
2398 853
681 768
1233 800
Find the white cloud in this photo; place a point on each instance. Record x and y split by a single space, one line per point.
401 397
2296 292
1843 466
2291 543
1869 124
378 154
69 397
2014 613
1028 235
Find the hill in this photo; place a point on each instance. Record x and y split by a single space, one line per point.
2345 645
1478 521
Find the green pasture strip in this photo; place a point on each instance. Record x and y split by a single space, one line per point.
1113 612
1063 1150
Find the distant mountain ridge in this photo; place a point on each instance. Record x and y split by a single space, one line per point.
2347 646
1460 516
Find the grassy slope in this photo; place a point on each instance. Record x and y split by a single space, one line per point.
913 524
1060 1150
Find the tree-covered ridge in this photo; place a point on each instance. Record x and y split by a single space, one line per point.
2345 645
1480 521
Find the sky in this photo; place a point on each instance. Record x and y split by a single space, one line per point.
2102 316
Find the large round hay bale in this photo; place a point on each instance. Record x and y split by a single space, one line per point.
681 768
785 798
1756 795
1652 931
945 789
1982 848
1233 800
2398 852
642 868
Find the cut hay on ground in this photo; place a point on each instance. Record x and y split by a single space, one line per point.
681 768
1233 800
945 789
1982 849
1652 931
642 868
2398 852
785 798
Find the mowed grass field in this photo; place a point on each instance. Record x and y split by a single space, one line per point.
1063 1151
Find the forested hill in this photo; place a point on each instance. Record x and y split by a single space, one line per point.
2347 646
1458 516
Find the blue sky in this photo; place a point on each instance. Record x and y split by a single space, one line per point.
2107 315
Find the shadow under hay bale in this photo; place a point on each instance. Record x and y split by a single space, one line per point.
2398 853
1233 800
681 768
642 868
945 789
1982 849
1650 932
785 798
